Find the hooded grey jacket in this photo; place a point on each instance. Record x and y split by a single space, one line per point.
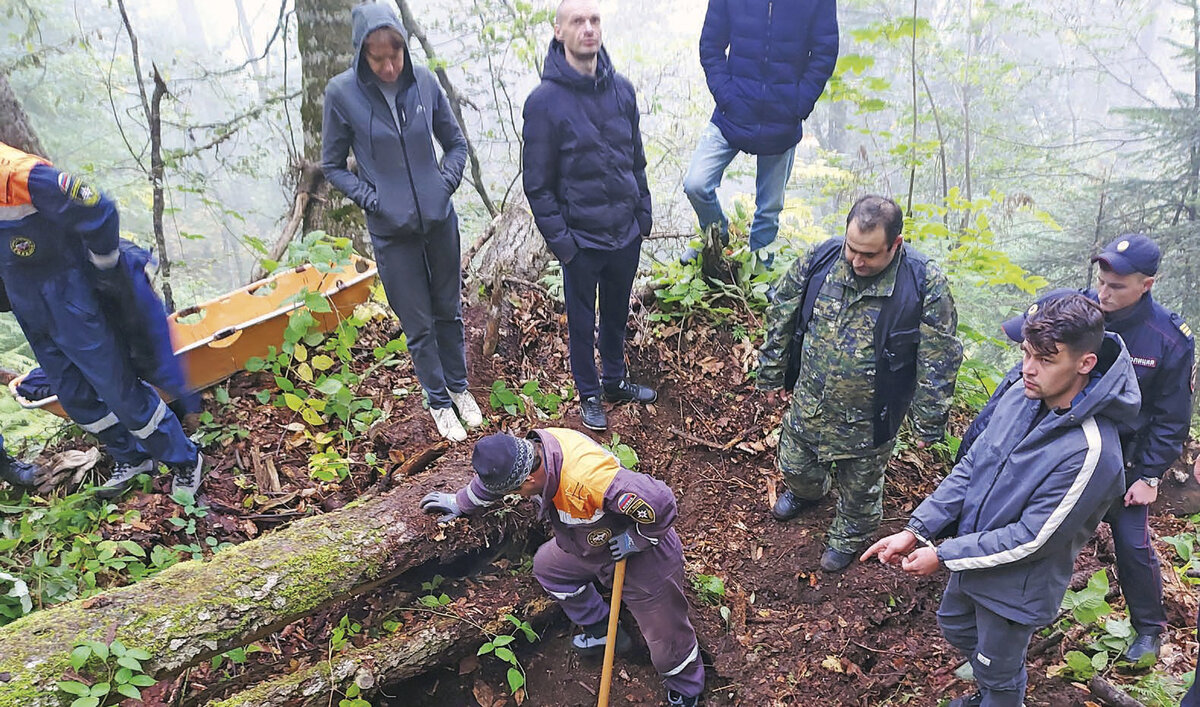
1027 497
400 184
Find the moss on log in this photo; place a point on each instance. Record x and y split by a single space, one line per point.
195 610
405 654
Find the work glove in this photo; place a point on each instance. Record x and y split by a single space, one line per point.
444 503
627 543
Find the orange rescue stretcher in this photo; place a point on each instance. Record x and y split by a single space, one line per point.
215 339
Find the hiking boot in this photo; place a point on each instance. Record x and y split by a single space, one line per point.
591 643
467 408
123 474
789 505
835 560
678 699
591 412
448 425
19 473
1145 644
624 390
187 476
974 700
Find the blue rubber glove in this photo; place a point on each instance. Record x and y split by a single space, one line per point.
444 503
626 544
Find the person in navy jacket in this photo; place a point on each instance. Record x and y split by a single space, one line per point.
61 259
1027 496
766 63
1161 346
584 174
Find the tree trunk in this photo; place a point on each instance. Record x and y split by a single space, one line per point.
511 243
409 652
323 36
15 129
195 610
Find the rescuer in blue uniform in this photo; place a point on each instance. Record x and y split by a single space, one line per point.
59 255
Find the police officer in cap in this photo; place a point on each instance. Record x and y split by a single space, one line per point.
1163 350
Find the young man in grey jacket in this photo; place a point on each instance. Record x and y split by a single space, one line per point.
389 111
1027 496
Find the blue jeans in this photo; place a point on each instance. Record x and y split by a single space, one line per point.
713 154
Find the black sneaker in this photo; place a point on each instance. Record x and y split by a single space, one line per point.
187 476
678 699
624 390
836 560
974 700
591 643
591 412
122 475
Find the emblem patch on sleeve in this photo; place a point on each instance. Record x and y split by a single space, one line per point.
21 246
625 500
599 537
77 191
641 512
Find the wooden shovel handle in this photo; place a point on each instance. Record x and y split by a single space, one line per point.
610 643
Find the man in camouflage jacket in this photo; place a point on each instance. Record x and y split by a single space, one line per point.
877 339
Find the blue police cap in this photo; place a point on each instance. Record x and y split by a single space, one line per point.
1012 327
1131 253
503 462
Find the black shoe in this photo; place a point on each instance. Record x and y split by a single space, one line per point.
1145 644
592 414
974 700
591 643
624 390
18 473
122 476
836 560
789 505
678 699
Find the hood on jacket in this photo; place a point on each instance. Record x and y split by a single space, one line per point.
365 19
1115 393
557 69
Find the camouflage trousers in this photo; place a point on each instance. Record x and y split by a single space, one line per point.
860 487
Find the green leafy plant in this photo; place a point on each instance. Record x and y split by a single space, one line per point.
115 672
623 452
499 647
710 589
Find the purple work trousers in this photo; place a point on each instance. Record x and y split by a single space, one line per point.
653 591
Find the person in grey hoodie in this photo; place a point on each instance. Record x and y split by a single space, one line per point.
389 111
1027 496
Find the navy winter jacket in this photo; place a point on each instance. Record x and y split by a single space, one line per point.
1162 349
400 184
767 62
584 166
1027 497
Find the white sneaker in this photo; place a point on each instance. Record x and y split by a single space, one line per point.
467 407
448 425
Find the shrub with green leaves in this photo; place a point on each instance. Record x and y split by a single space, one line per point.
499 647
112 673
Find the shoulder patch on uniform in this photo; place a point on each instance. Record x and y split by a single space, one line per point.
625 500
641 511
77 191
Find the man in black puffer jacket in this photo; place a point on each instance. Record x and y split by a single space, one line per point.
585 177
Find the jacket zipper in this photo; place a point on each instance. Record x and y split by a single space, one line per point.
408 168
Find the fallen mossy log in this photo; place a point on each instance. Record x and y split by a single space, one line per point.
405 654
193 610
